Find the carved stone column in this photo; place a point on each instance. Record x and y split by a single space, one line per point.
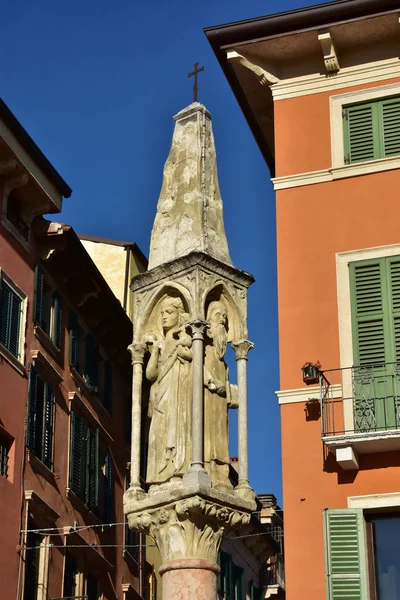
137 351
196 473
241 348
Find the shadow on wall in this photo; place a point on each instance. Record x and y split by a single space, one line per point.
312 409
367 462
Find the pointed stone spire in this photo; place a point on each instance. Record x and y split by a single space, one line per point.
189 211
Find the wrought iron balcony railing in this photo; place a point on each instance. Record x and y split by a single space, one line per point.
276 573
360 400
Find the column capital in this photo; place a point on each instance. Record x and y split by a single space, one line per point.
241 348
137 351
197 328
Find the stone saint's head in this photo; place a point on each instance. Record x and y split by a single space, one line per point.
172 310
217 316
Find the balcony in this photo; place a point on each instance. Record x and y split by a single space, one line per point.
360 411
276 579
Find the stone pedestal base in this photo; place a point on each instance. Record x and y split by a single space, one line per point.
189 579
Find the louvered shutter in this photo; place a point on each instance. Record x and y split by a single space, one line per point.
77 454
10 319
390 124
4 312
32 408
32 560
57 319
108 386
92 362
345 554
370 324
360 129
70 572
48 423
393 268
108 488
38 297
237 573
92 470
73 339
15 319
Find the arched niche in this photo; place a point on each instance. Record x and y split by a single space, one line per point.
150 317
220 293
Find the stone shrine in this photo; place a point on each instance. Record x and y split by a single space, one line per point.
188 306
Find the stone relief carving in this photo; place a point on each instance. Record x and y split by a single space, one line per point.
190 527
218 396
169 371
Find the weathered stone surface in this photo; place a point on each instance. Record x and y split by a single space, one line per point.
189 211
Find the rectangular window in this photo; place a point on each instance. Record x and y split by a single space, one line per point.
5 445
83 353
14 214
10 319
90 475
230 579
32 563
40 419
371 130
70 573
375 306
384 567
47 310
92 588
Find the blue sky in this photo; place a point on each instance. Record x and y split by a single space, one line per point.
96 83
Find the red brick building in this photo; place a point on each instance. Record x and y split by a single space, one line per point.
64 398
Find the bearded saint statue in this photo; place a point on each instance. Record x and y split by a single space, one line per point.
216 397
169 370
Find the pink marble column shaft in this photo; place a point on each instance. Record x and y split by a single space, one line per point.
189 579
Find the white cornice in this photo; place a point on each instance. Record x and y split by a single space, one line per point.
306 394
355 170
348 77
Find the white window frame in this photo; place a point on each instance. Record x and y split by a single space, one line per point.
343 260
17 362
336 104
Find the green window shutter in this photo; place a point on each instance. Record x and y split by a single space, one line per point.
73 339
77 454
237 582
393 269
108 488
92 470
70 572
220 578
48 423
390 126
361 132
32 408
369 321
92 362
57 319
10 318
38 297
345 554
108 386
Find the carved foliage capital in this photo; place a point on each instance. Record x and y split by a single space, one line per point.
242 348
192 527
137 351
197 327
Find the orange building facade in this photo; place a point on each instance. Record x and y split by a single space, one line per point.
320 88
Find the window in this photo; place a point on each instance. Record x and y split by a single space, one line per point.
90 474
70 573
230 579
375 307
5 445
371 130
11 306
40 417
85 357
361 554
33 585
92 588
47 310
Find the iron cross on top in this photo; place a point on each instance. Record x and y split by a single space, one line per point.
195 86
